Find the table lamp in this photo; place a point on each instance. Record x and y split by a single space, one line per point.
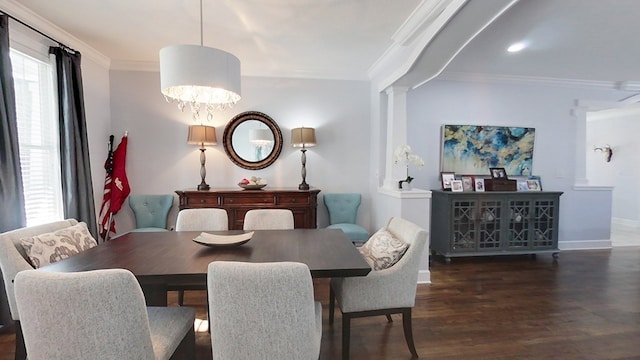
202 135
303 137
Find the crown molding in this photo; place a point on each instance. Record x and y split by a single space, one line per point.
513 79
27 16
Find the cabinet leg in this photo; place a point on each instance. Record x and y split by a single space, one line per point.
555 255
447 260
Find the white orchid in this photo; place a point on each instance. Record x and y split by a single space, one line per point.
405 156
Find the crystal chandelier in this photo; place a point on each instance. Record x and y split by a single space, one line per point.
204 78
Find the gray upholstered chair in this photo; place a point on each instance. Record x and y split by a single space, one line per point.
263 311
151 211
343 211
202 220
199 220
268 219
382 292
13 259
97 314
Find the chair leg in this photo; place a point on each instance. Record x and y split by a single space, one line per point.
180 297
408 331
346 335
332 304
389 319
21 350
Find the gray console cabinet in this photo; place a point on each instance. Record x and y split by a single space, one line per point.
494 223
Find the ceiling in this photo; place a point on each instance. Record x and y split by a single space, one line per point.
341 39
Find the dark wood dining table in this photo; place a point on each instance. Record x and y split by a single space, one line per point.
161 259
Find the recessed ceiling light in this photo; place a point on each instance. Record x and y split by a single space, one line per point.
516 47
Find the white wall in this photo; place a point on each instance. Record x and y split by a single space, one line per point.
160 161
95 81
617 128
584 215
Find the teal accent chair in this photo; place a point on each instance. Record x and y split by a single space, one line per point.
343 211
151 211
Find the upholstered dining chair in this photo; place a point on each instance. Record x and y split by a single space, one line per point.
14 259
199 220
263 311
202 220
151 211
268 219
98 314
343 211
382 292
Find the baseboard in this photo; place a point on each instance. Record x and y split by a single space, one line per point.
626 223
584 244
424 277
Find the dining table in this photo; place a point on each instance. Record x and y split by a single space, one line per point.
160 260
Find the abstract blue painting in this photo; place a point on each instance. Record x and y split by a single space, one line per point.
473 149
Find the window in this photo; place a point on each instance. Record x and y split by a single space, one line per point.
38 138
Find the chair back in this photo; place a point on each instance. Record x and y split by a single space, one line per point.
87 315
409 264
263 311
202 220
268 219
151 211
343 208
14 259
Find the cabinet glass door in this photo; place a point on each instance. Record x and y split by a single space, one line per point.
519 229
489 224
544 223
464 225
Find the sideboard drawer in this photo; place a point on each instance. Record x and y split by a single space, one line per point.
292 199
249 200
202 201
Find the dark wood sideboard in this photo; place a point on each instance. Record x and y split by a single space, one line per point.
303 203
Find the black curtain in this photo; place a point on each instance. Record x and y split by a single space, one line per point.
77 187
12 215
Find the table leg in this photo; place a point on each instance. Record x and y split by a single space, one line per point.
155 294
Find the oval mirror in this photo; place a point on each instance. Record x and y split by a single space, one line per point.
252 140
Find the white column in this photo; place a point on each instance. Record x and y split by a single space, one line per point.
396 133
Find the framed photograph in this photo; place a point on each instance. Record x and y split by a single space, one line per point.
533 185
536 177
523 186
479 184
467 183
446 178
456 186
498 173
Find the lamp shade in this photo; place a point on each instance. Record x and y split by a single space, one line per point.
202 135
303 137
260 136
199 74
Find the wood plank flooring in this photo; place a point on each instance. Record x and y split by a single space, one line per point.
584 306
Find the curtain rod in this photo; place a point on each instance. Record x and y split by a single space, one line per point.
64 46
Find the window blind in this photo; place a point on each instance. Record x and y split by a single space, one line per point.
38 138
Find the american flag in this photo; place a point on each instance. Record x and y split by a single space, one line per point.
105 210
116 187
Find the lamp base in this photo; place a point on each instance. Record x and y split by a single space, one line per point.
303 186
203 187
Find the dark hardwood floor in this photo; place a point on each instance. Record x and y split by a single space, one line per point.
584 306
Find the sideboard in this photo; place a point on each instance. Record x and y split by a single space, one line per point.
494 223
303 203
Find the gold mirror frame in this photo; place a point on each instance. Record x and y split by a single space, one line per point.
227 139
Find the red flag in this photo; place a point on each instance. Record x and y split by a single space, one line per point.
116 188
120 185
